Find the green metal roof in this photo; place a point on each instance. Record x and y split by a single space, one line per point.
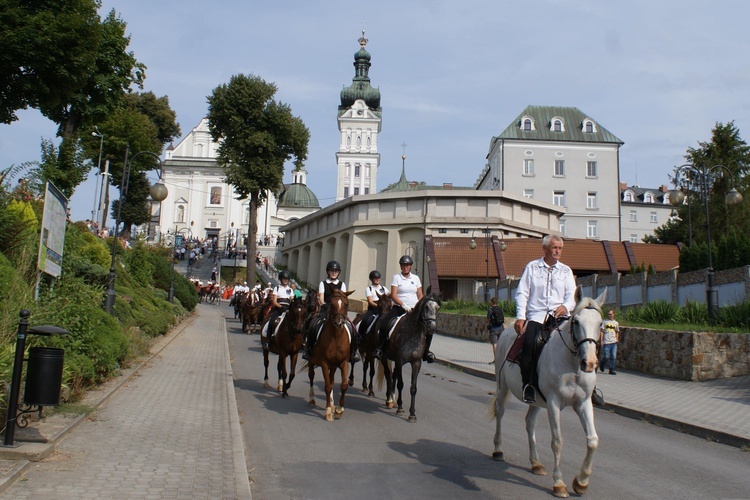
573 119
298 195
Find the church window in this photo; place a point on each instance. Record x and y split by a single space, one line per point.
348 140
359 141
346 192
367 190
356 170
356 190
180 216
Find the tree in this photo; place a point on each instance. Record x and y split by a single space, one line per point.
257 136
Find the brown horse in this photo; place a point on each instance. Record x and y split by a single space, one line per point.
250 311
286 342
407 344
331 353
369 335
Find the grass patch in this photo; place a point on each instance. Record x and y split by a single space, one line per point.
72 409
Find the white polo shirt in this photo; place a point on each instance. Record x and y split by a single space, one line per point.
373 291
406 288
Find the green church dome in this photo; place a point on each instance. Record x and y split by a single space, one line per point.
298 196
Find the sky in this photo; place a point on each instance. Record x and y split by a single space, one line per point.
452 74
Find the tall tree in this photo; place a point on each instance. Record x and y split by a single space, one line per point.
257 136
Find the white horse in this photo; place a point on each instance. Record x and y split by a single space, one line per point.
567 376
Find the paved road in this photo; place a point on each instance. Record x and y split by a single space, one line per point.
373 453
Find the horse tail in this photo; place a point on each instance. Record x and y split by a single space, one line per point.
381 376
304 366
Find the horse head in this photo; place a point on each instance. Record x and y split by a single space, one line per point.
339 307
296 317
384 304
584 329
311 302
427 311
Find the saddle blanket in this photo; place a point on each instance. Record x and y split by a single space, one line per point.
395 322
348 325
514 354
278 322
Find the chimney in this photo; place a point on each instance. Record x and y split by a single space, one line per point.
664 188
412 184
447 185
623 185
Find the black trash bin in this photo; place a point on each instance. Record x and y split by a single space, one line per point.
44 376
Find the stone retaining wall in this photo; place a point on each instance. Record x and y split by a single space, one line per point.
679 355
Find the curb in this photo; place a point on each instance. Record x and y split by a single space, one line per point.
668 423
25 453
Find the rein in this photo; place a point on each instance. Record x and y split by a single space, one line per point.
576 343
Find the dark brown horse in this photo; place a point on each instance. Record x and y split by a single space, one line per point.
250 311
407 344
369 334
331 353
287 341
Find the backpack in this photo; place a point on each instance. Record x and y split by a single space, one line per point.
497 318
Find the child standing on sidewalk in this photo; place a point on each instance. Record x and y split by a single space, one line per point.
610 336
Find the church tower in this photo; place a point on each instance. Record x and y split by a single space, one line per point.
359 119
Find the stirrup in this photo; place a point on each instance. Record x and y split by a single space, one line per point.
529 394
378 353
429 357
354 357
307 354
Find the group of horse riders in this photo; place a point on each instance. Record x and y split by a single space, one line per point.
404 293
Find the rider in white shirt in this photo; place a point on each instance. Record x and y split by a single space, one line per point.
371 294
281 299
547 287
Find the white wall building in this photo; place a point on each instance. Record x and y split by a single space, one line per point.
359 119
643 210
559 155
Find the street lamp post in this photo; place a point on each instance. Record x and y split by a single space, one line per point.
704 177
158 193
487 243
95 211
174 252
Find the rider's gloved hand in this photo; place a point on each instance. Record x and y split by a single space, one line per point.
406 308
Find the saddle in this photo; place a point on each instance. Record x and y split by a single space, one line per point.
271 328
516 350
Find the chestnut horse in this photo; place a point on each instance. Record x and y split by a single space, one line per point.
286 342
370 342
407 344
331 353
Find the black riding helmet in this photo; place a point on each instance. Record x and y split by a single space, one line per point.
333 266
374 275
284 275
405 259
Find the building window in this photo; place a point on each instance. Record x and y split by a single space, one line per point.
557 126
356 170
559 168
346 170
464 231
589 127
591 200
180 217
633 238
628 196
633 216
346 192
562 227
356 190
528 193
442 230
648 198
527 124
653 217
367 190
528 166
591 229
590 169
558 198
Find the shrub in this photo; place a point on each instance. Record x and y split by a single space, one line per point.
693 313
659 311
735 315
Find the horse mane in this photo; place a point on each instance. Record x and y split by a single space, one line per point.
586 303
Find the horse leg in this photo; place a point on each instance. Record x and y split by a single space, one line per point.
293 367
389 384
559 489
398 376
586 415
536 466
415 367
265 364
370 392
501 399
281 369
344 386
311 376
328 374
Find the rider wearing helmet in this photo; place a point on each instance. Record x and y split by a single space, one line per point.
325 293
371 294
406 291
281 298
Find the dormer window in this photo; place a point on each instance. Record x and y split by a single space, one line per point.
527 123
589 126
648 198
557 124
628 196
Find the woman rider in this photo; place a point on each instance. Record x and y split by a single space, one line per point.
281 298
406 291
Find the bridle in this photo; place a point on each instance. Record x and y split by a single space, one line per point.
423 320
575 325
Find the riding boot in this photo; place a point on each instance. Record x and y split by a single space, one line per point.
382 339
526 362
354 348
310 341
428 355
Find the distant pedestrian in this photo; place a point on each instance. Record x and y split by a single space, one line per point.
495 323
214 272
610 336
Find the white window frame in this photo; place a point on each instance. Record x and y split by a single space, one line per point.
592 229
559 172
591 169
558 196
633 216
633 238
528 167
346 191
591 201
562 227
356 170
653 217
528 193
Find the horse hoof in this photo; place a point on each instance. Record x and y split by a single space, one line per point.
266 385
338 413
578 487
560 491
329 417
538 470
498 456
412 418
400 411
371 394
284 395
390 405
311 403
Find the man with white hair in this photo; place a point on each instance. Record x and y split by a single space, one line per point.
547 288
